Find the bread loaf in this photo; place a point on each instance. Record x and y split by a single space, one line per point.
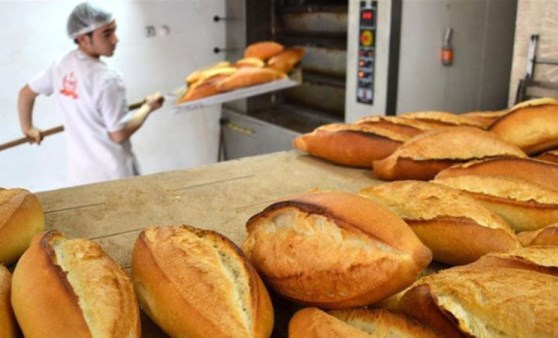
249 76
263 50
426 154
443 119
249 62
355 323
539 172
203 73
8 325
523 204
72 288
197 283
457 229
21 217
545 236
399 125
375 253
486 302
205 88
531 125
485 118
286 60
355 145
549 156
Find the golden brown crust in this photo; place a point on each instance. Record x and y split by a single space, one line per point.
532 126
523 204
549 156
349 145
545 236
250 76
370 240
287 59
485 118
198 91
452 224
204 278
315 323
443 119
490 302
545 174
399 125
249 62
21 218
8 325
263 50
424 155
71 288
203 73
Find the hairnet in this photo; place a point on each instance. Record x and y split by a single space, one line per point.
86 18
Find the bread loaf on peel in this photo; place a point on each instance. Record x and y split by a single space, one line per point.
350 144
249 76
8 325
249 62
21 218
287 59
334 250
543 173
263 50
545 236
457 228
197 283
523 204
203 73
530 125
426 154
72 288
486 302
355 323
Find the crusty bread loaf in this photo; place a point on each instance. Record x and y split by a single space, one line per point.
545 236
453 225
530 125
486 302
376 254
355 145
443 119
523 204
485 118
287 59
197 283
203 73
21 218
355 323
249 76
549 156
72 288
426 154
205 88
543 173
8 325
249 62
399 125
263 50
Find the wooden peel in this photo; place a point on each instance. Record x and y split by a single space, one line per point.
52 131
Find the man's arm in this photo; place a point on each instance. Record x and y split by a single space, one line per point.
25 103
152 102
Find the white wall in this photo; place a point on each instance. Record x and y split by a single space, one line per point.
33 35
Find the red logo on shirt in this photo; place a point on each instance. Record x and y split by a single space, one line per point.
69 85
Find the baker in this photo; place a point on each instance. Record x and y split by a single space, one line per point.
92 99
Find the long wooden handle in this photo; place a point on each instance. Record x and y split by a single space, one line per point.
53 131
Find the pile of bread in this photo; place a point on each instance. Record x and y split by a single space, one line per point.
471 253
263 62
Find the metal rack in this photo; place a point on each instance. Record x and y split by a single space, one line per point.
528 86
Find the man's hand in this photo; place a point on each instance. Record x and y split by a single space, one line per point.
155 101
34 135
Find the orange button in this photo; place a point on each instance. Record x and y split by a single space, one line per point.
366 38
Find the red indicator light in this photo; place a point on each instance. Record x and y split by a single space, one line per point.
367 15
360 74
361 63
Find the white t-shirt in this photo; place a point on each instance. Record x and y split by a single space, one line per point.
92 99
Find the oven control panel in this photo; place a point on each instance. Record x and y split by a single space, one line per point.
366 51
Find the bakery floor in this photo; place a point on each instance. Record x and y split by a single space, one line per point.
219 197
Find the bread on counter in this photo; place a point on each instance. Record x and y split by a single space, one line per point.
457 228
334 250
355 323
549 156
72 288
543 173
355 145
531 125
8 325
197 283
21 218
263 50
485 118
437 119
399 125
486 301
249 76
545 236
426 154
523 204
